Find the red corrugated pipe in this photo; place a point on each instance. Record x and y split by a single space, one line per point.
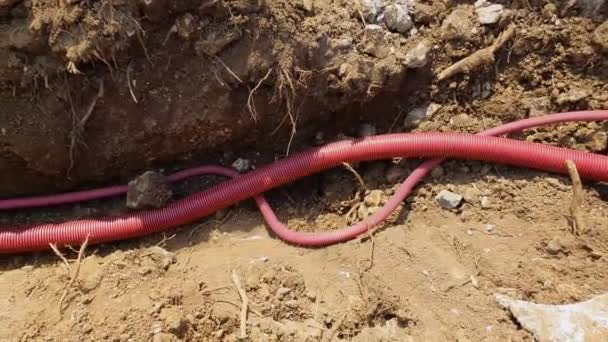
193 207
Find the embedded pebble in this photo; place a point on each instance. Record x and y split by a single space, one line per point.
458 25
488 13
374 198
599 142
417 57
600 36
419 114
370 9
554 247
472 195
241 164
572 96
150 190
397 18
448 200
488 227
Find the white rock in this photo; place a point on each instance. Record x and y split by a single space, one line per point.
419 114
577 322
489 14
448 200
241 164
397 18
417 57
370 9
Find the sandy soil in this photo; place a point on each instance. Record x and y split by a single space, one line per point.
177 79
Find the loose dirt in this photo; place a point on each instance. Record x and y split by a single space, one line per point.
195 82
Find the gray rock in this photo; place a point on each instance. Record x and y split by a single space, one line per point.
489 13
448 200
150 190
370 9
397 18
241 164
417 57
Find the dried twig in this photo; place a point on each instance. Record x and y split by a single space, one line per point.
61 256
362 185
74 276
244 306
479 58
250 101
78 129
578 225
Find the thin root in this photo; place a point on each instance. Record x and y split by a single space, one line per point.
251 102
244 306
578 224
479 58
129 84
79 127
74 276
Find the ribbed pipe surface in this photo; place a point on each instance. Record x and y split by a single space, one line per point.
193 207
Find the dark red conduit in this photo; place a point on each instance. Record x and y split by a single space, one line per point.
193 207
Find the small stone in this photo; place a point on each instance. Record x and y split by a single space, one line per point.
367 130
599 142
488 227
448 200
215 41
241 164
374 198
549 10
174 321
283 291
554 247
458 25
345 43
375 42
485 202
488 13
472 195
437 172
370 9
186 26
311 295
572 96
419 114
600 36
469 232
150 190
397 18
307 5
417 57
